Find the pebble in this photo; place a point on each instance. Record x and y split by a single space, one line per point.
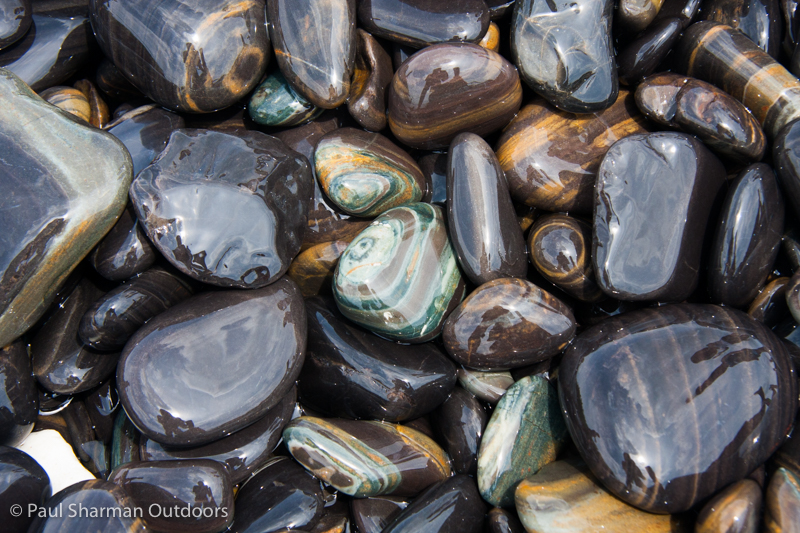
15 20
19 401
782 503
275 103
59 209
460 421
526 432
23 482
737 508
647 421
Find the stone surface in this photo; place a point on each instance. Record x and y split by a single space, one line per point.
58 43
315 45
769 306
636 15
399 277
481 220
669 405
61 362
243 452
479 92
15 20
280 495
372 75
352 373
364 458
699 108
486 385
70 100
419 23
653 199
200 485
113 319
372 515
125 250
99 113
460 422
145 132
49 449
191 56
22 483
313 268
748 237
55 206
203 176
560 250
728 59
760 20
214 364
737 508
786 158
782 503
793 296
501 521
117 515
564 52
507 323
365 174
275 103
551 157
19 399
526 432
491 41
450 506
124 441
564 496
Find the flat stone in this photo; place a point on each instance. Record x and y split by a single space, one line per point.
364 458
220 63
689 397
315 45
213 364
526 432
55 206
203 176
399 278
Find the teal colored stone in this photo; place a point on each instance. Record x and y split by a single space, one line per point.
399 276
525 433
63 185
366 174
274 103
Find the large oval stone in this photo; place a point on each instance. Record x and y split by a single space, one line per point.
507 323
669 405
399 277
315 45
195 56
653 199
451 88
366 458
62 187
214 364
204 177
353 373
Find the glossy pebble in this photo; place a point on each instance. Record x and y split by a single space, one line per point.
737 508
275 103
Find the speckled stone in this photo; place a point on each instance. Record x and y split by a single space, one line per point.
365 458
525 433
54 206
399 277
